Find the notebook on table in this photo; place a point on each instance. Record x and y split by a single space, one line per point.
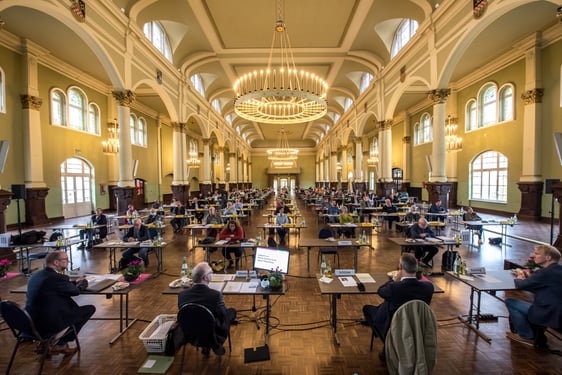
98 286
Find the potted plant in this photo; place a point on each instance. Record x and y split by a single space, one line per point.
4 266
275 280
133 270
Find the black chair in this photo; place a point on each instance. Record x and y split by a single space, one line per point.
323 234
198 325
23 328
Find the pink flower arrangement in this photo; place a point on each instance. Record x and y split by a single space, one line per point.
4 266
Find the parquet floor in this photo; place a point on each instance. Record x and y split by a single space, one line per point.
301 341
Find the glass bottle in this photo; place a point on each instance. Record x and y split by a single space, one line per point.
258 239
323 266
183 272
329 269
457 265
363 238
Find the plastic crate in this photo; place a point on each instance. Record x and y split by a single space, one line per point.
153 345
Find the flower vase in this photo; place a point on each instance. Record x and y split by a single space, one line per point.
275 281
130 277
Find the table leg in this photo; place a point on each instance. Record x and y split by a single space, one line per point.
356 250
267 315
334 317
127 325
469 323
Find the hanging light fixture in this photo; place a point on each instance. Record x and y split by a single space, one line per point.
283 156
111 146
280 93
193 161
373 160
452 142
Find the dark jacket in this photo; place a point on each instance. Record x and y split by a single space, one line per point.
395 294
546 309
144 234
49 300
211 299
416 230
100 220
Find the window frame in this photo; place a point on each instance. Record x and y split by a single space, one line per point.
505 101
2 91
62 110
423 130
404 33
500 173
154 29
82 124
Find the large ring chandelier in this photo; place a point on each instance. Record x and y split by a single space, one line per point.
280 94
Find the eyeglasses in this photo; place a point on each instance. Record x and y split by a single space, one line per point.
66 259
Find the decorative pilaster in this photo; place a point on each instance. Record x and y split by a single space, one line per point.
439 191
531 200
35 213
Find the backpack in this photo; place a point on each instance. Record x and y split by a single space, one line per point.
448 260
271 242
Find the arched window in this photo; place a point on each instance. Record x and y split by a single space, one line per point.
58 107
423 131
94 119
228 118
76 177
488 177
404 33
216 105
487 105
138 130
155 33
77 109
2 92
198 84
336 117
347 103
506 103
471 119
366 79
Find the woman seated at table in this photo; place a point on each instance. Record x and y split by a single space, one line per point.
233 232
346 218
470 215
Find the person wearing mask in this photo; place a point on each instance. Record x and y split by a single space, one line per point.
50 303
137 233
402 288
546 308
200 293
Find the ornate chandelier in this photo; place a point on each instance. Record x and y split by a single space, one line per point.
280 94
373 160
111 146
193 161
283 153
452 142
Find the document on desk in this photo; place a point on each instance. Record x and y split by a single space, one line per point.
217 285
233 287
221 242
250 286
365 278
223 276
348 281
431 239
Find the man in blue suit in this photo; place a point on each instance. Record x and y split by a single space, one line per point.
546 309
50 303
403 288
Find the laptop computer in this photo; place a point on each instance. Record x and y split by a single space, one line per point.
98 286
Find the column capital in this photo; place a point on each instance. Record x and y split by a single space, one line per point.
438 96
31 102
407 139
206 141
532 96
124 98
385 125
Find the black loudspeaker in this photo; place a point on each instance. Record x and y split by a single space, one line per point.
548 185
19 191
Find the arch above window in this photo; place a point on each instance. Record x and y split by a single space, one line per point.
488 177
404 33
154 31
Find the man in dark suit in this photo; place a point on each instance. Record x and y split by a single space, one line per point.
97 219
50 303
421 230
138 232
546 309
200 293
403 288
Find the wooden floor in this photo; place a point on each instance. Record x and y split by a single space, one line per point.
301 341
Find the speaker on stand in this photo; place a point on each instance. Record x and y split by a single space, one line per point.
548 190
19 193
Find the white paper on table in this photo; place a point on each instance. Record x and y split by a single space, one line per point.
347 281
365 278
94 278
250 286
216 285
232 287
326 280
149 363
223 276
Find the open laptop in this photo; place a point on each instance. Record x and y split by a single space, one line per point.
98 286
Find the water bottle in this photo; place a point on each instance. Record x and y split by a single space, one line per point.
364 237
329 269
462 270
323 266
183 272
258 239
457 265
515 219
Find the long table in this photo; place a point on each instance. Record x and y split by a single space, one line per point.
404 243
112 246
336 288
309 243
368 226
296 227
490 282
502 223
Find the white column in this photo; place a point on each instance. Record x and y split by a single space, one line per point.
358 175
179 154
407 150
124 100
206 165
385 151
439 98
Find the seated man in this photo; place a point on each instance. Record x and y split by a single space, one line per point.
200 293
390 210
422 230
50 303
437 208
131 213
403 288
138 232
91 235
546 309
334 212
470 215
177 223
196 206
212 217
152 218
282 219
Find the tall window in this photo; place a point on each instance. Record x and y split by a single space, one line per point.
347 103
471 119
76 177
197 82
216 105
366 79
489 177
155 33
2 92
77 109
506 103
58 107
94 118
488 105
491 107
138 130
423 131
404 33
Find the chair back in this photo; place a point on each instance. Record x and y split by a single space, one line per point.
18 320
411 342
325 233
198 325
